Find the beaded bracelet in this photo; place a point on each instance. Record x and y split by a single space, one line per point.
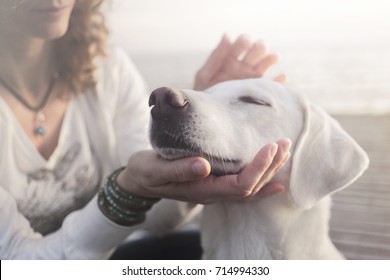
121 206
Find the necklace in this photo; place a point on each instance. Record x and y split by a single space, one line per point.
40 129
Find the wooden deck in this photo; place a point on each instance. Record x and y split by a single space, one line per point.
360 223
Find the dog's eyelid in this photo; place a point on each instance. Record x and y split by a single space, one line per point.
253 100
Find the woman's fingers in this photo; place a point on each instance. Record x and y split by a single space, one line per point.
234 69
213 64
240 46
179 171
146 171
259 172
255 54
241 185
254 171
262 67
280 158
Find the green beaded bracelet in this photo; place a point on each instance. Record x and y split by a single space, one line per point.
124 196
121 206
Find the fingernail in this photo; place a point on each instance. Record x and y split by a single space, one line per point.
274 149
199 168
288 147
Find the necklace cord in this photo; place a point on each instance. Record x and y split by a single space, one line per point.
42 104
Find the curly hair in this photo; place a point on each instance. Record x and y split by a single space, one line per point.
81 44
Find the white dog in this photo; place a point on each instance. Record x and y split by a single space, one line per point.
228 124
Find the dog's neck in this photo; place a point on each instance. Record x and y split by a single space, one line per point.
259 231
270 228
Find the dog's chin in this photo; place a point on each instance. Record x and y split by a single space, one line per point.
219 166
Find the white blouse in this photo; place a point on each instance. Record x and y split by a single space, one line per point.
38 197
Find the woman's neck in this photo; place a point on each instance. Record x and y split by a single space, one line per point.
26 63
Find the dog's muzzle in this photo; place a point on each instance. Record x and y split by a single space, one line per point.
174 134
170 118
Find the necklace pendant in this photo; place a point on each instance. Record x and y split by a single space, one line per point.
40 130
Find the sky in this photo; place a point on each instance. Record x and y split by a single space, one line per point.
190 25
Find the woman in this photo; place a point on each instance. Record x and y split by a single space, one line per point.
72 112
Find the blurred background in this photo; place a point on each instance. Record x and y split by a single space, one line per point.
336 51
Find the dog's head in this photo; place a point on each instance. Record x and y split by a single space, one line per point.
228 124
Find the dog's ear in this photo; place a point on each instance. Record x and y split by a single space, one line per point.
326 159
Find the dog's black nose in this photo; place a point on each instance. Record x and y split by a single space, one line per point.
167 102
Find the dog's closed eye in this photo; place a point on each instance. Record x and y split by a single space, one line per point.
252 100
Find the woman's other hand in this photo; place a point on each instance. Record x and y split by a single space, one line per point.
241 59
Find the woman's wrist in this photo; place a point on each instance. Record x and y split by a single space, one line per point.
120 205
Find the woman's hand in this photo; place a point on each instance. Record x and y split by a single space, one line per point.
189 179
242 59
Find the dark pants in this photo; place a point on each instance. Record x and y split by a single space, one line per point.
176 246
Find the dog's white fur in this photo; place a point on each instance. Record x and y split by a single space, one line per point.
230 122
